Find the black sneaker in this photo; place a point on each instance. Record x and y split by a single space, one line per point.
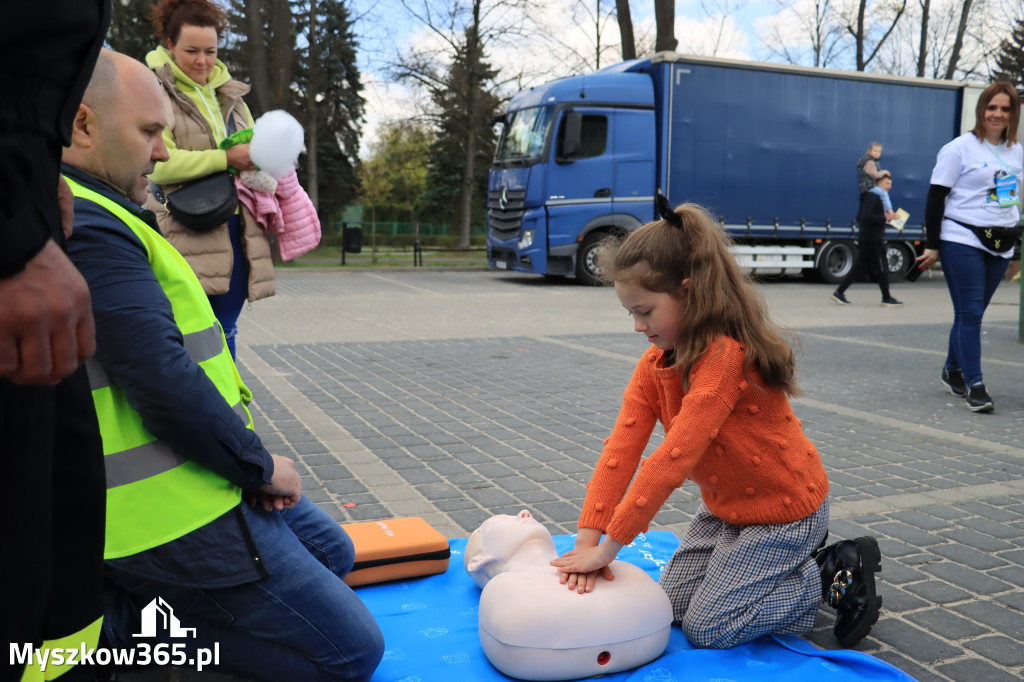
953 380
890 302
839 298
978 399
848 585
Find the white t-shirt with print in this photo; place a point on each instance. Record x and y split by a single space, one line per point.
969 166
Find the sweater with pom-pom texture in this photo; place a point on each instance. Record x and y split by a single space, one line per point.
738 440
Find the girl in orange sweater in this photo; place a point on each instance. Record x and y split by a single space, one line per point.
717 376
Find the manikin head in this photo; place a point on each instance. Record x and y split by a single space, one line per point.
499 539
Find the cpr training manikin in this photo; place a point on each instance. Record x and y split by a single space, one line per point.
532 627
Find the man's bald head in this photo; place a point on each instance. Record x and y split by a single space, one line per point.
103 87
116 135
112 72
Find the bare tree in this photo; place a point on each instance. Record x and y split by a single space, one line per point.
820 27
451 66
949 39
958 43
954 41
922 52
665 20
587 49
861 29
717 17
625 20
991 26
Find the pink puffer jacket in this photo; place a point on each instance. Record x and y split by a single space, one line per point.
288 213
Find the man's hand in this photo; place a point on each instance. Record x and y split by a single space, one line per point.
285 487
46 325
891 215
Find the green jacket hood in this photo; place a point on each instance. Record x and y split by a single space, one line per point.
161 55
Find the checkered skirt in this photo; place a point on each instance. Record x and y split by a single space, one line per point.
731 584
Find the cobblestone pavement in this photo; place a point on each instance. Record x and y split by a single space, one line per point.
456 396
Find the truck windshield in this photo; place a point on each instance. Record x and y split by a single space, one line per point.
524 134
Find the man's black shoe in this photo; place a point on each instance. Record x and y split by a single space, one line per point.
953 380
848 585
978 399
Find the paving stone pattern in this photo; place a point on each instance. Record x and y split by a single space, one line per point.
457 430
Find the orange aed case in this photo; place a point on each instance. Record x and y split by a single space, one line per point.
394 549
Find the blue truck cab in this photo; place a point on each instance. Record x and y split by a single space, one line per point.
769 150
550 201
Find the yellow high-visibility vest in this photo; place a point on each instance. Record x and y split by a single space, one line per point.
154 494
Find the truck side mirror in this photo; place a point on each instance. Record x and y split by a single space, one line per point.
569 141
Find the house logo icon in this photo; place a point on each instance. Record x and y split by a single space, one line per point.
158 615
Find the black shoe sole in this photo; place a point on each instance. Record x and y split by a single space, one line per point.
987 407
871 563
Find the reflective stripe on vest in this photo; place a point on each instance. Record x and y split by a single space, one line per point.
154 494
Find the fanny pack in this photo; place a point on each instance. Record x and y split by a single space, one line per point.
202 204
1000 239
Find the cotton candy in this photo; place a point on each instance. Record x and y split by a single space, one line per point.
276 143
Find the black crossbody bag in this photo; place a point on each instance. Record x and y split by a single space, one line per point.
202 204
999 239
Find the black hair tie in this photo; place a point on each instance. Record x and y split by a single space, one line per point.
665 209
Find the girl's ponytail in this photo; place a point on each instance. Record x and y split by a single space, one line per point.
718 299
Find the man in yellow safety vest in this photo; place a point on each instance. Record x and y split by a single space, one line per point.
203 524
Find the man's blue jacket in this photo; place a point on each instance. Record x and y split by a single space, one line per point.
141 348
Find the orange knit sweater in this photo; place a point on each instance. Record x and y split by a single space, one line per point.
739 441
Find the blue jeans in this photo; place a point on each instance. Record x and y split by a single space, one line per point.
972 276
301 623
228 306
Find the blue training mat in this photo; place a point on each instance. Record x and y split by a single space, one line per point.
430 635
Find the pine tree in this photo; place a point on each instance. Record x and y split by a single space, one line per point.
300 56
131 32
464 147
1010 60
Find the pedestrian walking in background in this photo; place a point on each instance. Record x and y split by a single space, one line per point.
971 217
871 258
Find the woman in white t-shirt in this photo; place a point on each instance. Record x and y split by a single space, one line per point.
971 216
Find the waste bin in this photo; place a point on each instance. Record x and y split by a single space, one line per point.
352 237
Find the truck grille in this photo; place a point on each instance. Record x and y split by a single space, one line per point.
505 222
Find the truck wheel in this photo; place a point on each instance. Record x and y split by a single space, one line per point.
900 258
835 260
587 270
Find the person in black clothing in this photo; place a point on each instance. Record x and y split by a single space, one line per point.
871 256
50 448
